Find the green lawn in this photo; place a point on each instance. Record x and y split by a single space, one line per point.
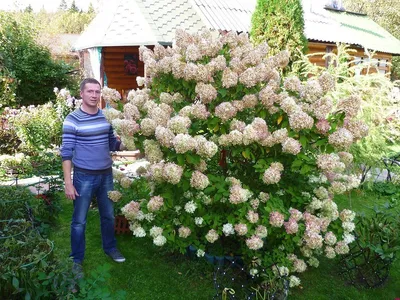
151 274
147 272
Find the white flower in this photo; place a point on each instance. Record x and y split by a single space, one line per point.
190 207
156 231
159 240
294 281
139 232
200 253
198 221
227 229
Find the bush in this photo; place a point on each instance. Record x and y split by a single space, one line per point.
238 153
34 70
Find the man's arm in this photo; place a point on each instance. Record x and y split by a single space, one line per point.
70 190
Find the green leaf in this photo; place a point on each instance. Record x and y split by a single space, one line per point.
303 141
15 282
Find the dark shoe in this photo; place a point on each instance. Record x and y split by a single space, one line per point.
116 256
77 270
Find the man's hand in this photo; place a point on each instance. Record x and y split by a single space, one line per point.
70 191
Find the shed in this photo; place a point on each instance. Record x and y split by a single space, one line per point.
109 46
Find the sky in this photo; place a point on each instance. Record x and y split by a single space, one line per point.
49 5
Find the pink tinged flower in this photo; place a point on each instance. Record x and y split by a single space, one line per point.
206 92
152 151
342 248
330 238
179 124
184 232
254 243
148 126
199 181
299 266
313 240
261 231
276 219
295 214
155 203
238 194
156 171
292 84
131 112
327 82
337 187
273 174
130 210
346 157
323 126
164 136
237 125
190 71
250 101
347 215
252 216
249 77
291 146
264 197
330 252
184 143
249 135
241 229
300 120
341 138
199 111
225 111
291 226
229 78
211 236
357 128
280 135
172 173
206 149
322 107
350 106
192 53
261 128
268 97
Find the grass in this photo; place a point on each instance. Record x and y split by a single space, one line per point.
150 274
147 273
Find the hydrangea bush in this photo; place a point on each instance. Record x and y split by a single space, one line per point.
239 155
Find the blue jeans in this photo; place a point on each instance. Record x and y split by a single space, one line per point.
88 185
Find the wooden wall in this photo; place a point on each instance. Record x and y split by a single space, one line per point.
317 47
114 69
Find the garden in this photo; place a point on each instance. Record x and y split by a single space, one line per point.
259 181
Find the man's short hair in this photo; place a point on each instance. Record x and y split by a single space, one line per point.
88 80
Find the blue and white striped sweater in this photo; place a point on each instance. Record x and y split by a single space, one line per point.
87 140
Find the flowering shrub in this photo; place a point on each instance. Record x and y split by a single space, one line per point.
37 127
378 106
111 96
239 154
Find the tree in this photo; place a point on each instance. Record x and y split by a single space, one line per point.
73 7
91 9
28 9
281 24
35 72
384 12
63 5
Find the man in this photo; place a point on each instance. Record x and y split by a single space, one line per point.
86 144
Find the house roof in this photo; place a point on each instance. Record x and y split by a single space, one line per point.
147 22
333 26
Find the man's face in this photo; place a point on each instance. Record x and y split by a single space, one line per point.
91 94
